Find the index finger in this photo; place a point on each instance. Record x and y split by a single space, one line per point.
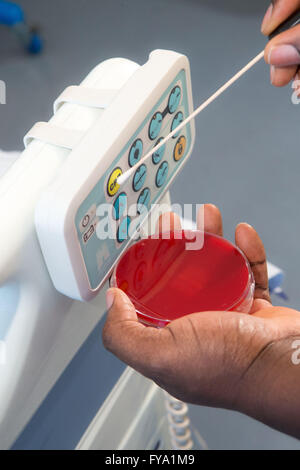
212 219
278 12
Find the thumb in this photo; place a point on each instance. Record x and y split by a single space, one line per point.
119 306
139 346
283 50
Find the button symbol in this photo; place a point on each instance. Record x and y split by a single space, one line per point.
85 220
87 235
143 201
88 218
155 125
158 155
162 174
174 99
179 148
135 152
112 185
176 121
139 178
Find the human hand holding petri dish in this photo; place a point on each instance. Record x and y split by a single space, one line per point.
218 358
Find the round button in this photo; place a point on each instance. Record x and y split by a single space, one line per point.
135 152
158 155
112 185
176 121
119 206
162 174
155 125
179 148
174 99
143 201
139 178
122 233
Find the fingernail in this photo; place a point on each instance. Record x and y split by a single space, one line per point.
267 19
272 74
284 55
110 296
246 223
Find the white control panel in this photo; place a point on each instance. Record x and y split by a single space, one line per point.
84 219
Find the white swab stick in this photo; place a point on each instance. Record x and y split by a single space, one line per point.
124 177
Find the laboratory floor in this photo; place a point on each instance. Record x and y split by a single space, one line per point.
246 158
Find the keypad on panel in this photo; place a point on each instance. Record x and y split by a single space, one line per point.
151 176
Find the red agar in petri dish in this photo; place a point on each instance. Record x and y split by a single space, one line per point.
166 281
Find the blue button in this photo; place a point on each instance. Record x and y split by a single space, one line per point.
139 178
123 230
158 155
119 206
155 125
162 174
135 152
176 121
143 202
174 99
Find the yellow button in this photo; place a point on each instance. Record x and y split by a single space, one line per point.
179 148
112 185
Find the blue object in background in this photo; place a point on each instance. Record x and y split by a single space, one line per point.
10 13
13 16
276 278
35 45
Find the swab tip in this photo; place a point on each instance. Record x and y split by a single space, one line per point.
122 178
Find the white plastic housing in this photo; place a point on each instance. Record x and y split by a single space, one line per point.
91 160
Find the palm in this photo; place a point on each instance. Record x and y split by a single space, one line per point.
208 357
237 340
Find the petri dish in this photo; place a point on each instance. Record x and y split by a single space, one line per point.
166 280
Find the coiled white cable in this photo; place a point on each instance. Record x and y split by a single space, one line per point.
180 427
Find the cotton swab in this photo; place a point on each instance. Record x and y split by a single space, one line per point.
125 176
